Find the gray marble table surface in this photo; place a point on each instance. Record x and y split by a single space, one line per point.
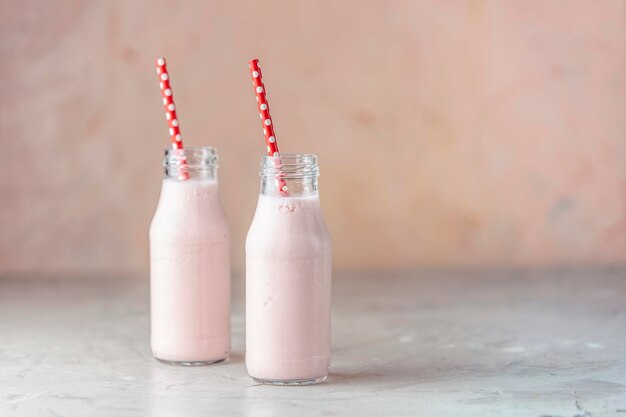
492 343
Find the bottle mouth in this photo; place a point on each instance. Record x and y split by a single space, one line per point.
191 158
290 166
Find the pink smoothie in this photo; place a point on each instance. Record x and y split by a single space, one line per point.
190 273
288 290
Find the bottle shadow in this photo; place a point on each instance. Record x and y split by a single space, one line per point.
374 378
399 377
236 357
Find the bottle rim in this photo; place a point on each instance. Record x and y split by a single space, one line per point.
290 166
192 157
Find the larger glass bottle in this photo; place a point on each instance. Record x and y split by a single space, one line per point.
288 276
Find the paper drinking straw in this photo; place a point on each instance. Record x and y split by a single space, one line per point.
170 111
266 119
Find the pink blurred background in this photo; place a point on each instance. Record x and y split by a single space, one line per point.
450 133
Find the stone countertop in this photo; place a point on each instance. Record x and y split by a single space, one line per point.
516 343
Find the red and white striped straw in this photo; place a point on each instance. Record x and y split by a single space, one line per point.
264 112
170 109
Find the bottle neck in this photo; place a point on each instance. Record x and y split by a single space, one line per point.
289 175
296 187
194 163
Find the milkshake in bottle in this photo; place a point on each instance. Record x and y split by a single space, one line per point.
190 263
288 276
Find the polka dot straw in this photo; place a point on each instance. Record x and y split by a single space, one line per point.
264 113
170 109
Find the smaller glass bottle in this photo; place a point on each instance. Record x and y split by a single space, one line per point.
288 277
190 263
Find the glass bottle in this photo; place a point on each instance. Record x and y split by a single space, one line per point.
190 262
288 276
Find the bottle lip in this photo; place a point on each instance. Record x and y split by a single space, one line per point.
192 157
290 166
192 150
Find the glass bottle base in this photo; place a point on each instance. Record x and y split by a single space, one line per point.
190 363
290 382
